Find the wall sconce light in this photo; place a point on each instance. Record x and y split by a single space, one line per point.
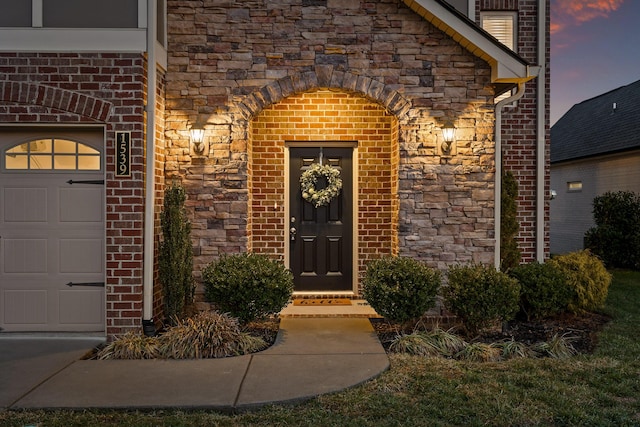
448 135
199 146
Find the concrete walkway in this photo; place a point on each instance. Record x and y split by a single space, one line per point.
311 356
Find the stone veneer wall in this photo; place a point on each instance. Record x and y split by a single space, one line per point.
230 61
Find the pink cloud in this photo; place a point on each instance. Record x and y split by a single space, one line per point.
567 13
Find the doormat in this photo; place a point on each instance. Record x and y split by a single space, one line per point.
321 301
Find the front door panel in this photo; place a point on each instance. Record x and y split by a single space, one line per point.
321 238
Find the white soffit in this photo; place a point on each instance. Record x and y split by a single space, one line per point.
505 66
73 40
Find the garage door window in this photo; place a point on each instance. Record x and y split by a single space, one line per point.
52 154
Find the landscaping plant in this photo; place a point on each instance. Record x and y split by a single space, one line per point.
588 278
400 289
479 352
206 335
543 289
616 236
175 257
250 286
509 252
480 295
130 346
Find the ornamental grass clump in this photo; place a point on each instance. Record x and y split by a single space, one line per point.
558 347
479 352
400 289
445 342
588 278
428 343
416 344
207 335
512 349
480 296
130 346
249 286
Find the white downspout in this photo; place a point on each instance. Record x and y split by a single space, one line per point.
541 117
149 202
498 178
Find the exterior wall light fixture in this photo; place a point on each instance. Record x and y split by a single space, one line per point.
449 136
199 146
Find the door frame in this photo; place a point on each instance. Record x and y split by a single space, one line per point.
287 207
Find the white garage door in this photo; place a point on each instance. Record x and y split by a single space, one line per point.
52 258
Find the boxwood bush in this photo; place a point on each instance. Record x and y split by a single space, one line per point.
543 289
588 278
400 289
480 295
249 286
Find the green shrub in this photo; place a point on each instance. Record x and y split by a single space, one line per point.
509 252
588 278
616 236
249 286
543 289
175 255
400 289
480 295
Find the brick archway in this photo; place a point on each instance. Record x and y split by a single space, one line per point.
59 99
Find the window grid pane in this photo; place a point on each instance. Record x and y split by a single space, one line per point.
52 154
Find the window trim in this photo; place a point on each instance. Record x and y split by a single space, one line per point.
511 17
29 154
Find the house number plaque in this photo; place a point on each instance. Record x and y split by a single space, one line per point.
123 153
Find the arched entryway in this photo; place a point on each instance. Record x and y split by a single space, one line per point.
361 138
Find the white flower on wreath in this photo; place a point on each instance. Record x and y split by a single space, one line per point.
309 180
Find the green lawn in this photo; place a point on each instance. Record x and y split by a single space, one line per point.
602 389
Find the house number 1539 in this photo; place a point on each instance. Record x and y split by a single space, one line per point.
123 153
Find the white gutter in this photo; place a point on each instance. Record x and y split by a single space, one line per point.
541 117
149 202
498 178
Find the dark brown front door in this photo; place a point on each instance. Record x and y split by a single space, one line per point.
321 238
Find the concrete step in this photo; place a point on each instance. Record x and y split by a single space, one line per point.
357 308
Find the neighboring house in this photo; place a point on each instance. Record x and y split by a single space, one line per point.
366 87
595 149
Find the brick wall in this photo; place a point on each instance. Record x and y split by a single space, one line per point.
324 116
103 89
230 64
520 128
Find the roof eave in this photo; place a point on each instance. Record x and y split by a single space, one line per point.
506 65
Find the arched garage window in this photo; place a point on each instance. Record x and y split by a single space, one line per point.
52 154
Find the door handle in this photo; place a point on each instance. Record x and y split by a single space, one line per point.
292 233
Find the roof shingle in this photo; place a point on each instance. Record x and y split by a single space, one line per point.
605 124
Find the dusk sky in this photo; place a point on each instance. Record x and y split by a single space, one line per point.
595 47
